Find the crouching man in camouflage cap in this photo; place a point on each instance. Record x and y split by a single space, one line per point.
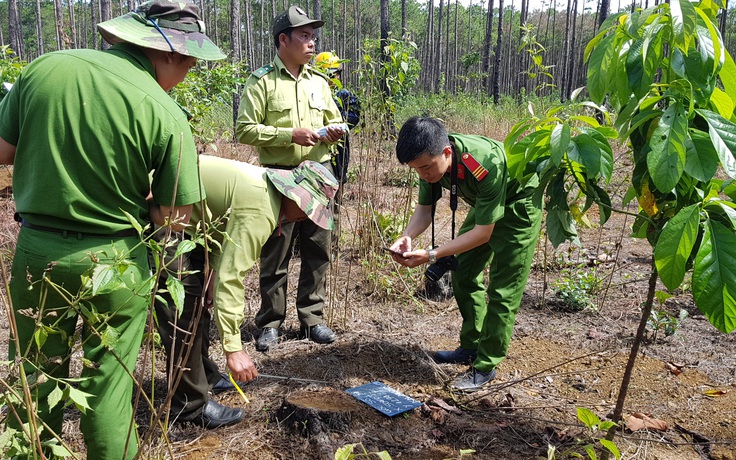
245 202
84 129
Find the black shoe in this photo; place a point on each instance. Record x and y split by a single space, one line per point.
473 380
319 334
269 338
215 415
223 385
457 356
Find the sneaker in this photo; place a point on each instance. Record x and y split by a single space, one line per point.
473 380
459 355
268 338
319 334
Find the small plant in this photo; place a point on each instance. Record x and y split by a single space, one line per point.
662 320
575 288
347 452
595 427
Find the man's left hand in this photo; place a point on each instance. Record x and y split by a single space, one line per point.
334 133
413 259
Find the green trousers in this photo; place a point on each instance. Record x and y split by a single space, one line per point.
63 259
314 251
489 322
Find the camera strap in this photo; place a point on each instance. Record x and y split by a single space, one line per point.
453 194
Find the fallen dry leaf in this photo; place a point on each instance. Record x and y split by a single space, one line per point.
640 421
673 368
714 393
441 403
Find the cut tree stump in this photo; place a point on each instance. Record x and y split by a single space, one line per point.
311 412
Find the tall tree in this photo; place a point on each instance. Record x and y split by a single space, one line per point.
61 37
437 63
39 29
15 36
72 24
497 64
317 14
487 48
403 19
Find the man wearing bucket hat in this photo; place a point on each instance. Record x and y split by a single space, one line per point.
84 129
246 203
288 113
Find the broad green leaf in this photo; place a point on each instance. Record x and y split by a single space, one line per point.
105 279
560 227
590 450
345 452
638 82
722 103
675 245
558 142
133 221
599 65
684 19
710 7
701 159
666 161
55 397
109 338
728 77
383 455
714 276
79 398
176 290
184 247
603 200
606 152
588 418
56 449
709 43
723 135
726 209
587 153
611 447
39 336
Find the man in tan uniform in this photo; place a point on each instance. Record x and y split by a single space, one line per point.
287 111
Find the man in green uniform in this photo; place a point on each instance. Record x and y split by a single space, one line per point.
501 229
246 203
287 111
84 129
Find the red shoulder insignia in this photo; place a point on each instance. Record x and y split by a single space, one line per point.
475 168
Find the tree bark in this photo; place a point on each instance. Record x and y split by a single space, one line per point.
15 37
497 65
487 48
403 19
317 14
39 29
73 24
437 65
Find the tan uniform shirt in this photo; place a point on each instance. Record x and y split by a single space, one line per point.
274 102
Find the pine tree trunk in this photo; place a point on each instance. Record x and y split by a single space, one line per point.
15 37
487 48
317 14
73 24
437 65
403 19
39 29
497 65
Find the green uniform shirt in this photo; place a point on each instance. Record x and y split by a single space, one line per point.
274 103
253 204
489 195
88 127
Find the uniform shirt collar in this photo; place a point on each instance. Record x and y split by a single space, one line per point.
135 55
281 68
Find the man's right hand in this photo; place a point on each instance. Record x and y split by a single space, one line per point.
305 137
241 366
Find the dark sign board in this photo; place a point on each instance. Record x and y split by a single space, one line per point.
384 398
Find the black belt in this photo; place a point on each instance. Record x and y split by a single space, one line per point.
120 234
278 166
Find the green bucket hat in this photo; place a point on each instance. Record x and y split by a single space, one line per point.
311 186
165 26
292 18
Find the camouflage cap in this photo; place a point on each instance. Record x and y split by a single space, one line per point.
311 186
292 18
163 25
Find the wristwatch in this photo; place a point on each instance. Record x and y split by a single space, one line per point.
432 256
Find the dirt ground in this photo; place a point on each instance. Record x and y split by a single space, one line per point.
558 361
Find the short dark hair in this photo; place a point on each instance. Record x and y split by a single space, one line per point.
276 37
421 135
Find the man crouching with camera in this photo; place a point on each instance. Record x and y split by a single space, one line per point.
473 168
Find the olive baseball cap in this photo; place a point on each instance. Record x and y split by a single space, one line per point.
311 186
163 25
292 18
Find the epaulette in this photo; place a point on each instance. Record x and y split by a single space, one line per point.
475 168
260 73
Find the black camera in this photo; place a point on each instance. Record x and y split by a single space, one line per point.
438 269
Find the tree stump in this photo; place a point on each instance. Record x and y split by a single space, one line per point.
311 412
